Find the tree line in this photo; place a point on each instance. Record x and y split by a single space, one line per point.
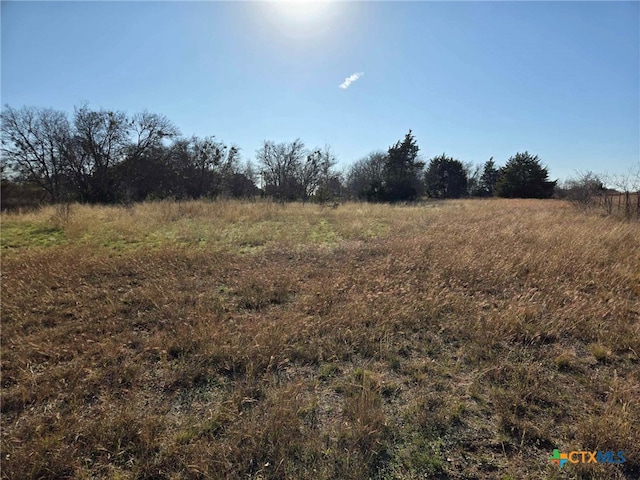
106 156
398 175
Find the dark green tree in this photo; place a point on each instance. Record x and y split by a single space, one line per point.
445 178
402 171
524 177
488 179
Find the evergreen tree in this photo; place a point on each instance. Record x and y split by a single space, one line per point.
524 177
402 171
489 178
445 178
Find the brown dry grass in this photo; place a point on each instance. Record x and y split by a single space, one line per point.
464 339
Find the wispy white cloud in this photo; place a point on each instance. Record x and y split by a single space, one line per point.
350 79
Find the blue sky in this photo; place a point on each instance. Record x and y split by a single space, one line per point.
471 79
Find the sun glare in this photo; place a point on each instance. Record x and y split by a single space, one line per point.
301 18
304 11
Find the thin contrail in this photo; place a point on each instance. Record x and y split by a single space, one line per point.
350 79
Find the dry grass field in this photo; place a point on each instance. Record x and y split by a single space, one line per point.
452 340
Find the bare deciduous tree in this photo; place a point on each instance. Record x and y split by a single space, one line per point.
280 164
365 174
329 181
34 142
628 184
101 140
149 130
586 190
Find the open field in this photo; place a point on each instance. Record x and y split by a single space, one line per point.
462 339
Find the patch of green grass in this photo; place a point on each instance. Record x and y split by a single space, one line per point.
328 370
323 232
30 236
418 457
600 352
